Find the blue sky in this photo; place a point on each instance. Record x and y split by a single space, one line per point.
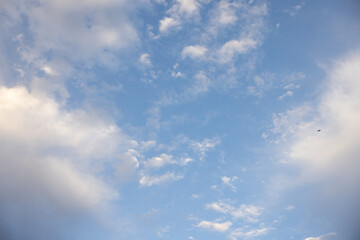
183 119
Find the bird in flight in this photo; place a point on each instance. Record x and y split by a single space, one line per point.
319 130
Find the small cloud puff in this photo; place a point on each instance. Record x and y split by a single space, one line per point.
230 49
167 23
195 51
159 161
145 59
215 226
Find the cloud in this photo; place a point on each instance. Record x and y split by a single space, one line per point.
329 157
178 12
229 182
188 7
234 47
215 226
193 52
287 124
52 161
145 59
259 87
294 10
126 168
248 233
200 86
66 28
160 161
228 13
289 208
176 74
248 213
147 180
337 114
167 23
329 236
225 13
204 146
286 94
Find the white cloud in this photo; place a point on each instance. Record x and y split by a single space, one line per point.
195 196
230 49
286 94
261 84
248 213
48 70
168 23
188 7
163 232
241 233
225 12
148 145
52 159
181 10
228 13
145 59
215 226
204 146
147 180
200 86
159 161
194 52
128 165
294 10
176 74
329 156
289 207
65 27
338 116
329 236
287 124
229 182
185 161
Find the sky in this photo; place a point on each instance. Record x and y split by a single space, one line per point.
179 119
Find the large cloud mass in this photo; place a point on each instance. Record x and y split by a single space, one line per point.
51 162
324 142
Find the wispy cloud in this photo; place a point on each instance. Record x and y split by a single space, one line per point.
148 180
294 10
248 213
227 181
242 233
